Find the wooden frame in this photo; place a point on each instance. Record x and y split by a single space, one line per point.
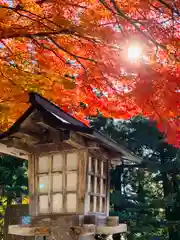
92 183
97 185
12 151
67 176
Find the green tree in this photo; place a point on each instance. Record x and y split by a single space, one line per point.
13 184
145 195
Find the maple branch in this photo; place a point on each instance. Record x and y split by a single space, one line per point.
39 45
57 55
10 80
108 23
109 83
71 54
123 15
40 2
169 7
19 68
76 5
34 20
41 34
38 34
18 10
9 50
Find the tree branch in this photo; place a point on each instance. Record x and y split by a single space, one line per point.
38 34
71 54
169 7
123 15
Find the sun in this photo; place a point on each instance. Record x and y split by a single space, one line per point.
134 52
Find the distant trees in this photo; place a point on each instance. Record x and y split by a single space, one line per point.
13 184
146 195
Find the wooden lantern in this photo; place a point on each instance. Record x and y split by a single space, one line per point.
69 165
69 182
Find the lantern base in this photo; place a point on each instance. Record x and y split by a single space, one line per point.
69 227
27 230
85 230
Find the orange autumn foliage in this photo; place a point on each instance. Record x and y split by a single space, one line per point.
75 51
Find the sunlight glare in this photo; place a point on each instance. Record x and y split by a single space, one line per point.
134 52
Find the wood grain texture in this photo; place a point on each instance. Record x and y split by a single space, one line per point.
82 183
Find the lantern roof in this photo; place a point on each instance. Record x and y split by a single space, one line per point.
32 128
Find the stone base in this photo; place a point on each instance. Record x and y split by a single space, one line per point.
85 230
69 227
107 230
27 230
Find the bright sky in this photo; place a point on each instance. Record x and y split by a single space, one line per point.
134 52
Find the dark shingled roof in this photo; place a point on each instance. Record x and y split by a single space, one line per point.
59 119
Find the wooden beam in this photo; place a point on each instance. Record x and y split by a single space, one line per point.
44 125
12 151
29 133
55 135
116 161
93 145
56 147
76 140
100 153
50 147
16 143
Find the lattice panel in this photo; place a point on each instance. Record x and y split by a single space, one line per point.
56 183
97 185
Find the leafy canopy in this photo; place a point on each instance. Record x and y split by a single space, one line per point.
75 52
146 196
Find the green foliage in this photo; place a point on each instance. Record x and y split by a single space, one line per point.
145 196
13 183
